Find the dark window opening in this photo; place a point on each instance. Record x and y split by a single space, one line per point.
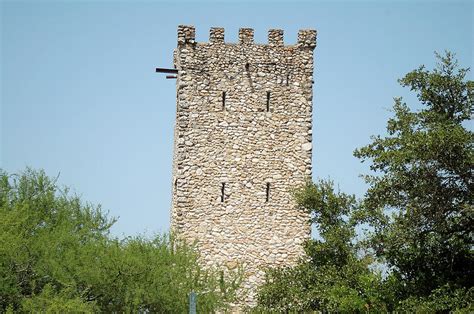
223 101
268 101
268 192
175 185
222 192
247 66
287 79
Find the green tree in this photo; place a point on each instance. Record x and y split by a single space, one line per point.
56 255
334 276
139 275
46 236
420 198
420 206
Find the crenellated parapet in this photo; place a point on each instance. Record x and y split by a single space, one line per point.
186 34
306 38
246 36
216 35
275 37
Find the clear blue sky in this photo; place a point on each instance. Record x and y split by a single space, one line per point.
79 95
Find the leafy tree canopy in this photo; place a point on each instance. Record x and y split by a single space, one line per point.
420 198
333 277
56 255
419 204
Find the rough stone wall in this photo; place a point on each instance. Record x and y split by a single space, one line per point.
242 142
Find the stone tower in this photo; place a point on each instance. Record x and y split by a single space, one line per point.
242 143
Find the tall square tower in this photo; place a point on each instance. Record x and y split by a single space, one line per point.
243 141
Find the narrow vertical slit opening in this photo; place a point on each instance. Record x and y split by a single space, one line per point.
287 79
175 185
268 101
247 67
267 192
223 101
222 192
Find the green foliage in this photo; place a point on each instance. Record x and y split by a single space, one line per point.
329 212
52 301
420 199
46 236
332 278
444 299
157 275
419 205
57 256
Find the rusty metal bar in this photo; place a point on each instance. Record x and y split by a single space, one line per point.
163 70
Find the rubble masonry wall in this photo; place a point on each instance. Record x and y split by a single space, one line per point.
243 141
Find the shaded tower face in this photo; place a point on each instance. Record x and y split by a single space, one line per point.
242 143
